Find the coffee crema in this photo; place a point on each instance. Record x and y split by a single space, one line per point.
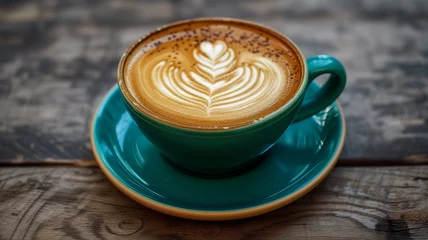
212 74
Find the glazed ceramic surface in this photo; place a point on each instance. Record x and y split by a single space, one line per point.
225 152
299 161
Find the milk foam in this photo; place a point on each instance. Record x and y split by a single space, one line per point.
220 84
212 84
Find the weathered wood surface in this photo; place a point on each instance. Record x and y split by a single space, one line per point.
79 203
58 58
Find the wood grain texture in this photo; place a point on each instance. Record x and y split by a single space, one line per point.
79 203
58 58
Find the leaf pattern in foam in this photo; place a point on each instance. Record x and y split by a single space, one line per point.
218 84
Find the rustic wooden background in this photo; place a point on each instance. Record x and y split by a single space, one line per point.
58 58
79 203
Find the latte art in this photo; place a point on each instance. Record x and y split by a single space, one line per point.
220 83
211 75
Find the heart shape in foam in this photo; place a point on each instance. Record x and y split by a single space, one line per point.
213 51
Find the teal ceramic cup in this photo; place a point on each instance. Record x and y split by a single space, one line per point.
216 153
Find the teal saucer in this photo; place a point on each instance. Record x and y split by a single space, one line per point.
300 160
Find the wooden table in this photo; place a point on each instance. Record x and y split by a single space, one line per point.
58 58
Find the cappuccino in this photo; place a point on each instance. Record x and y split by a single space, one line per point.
212 74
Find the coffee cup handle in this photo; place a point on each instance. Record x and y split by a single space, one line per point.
330 91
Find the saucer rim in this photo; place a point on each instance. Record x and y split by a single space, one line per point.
213 215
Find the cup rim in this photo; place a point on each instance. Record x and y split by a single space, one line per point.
273 115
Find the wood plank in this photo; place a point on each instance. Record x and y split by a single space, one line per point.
79 203
58 59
